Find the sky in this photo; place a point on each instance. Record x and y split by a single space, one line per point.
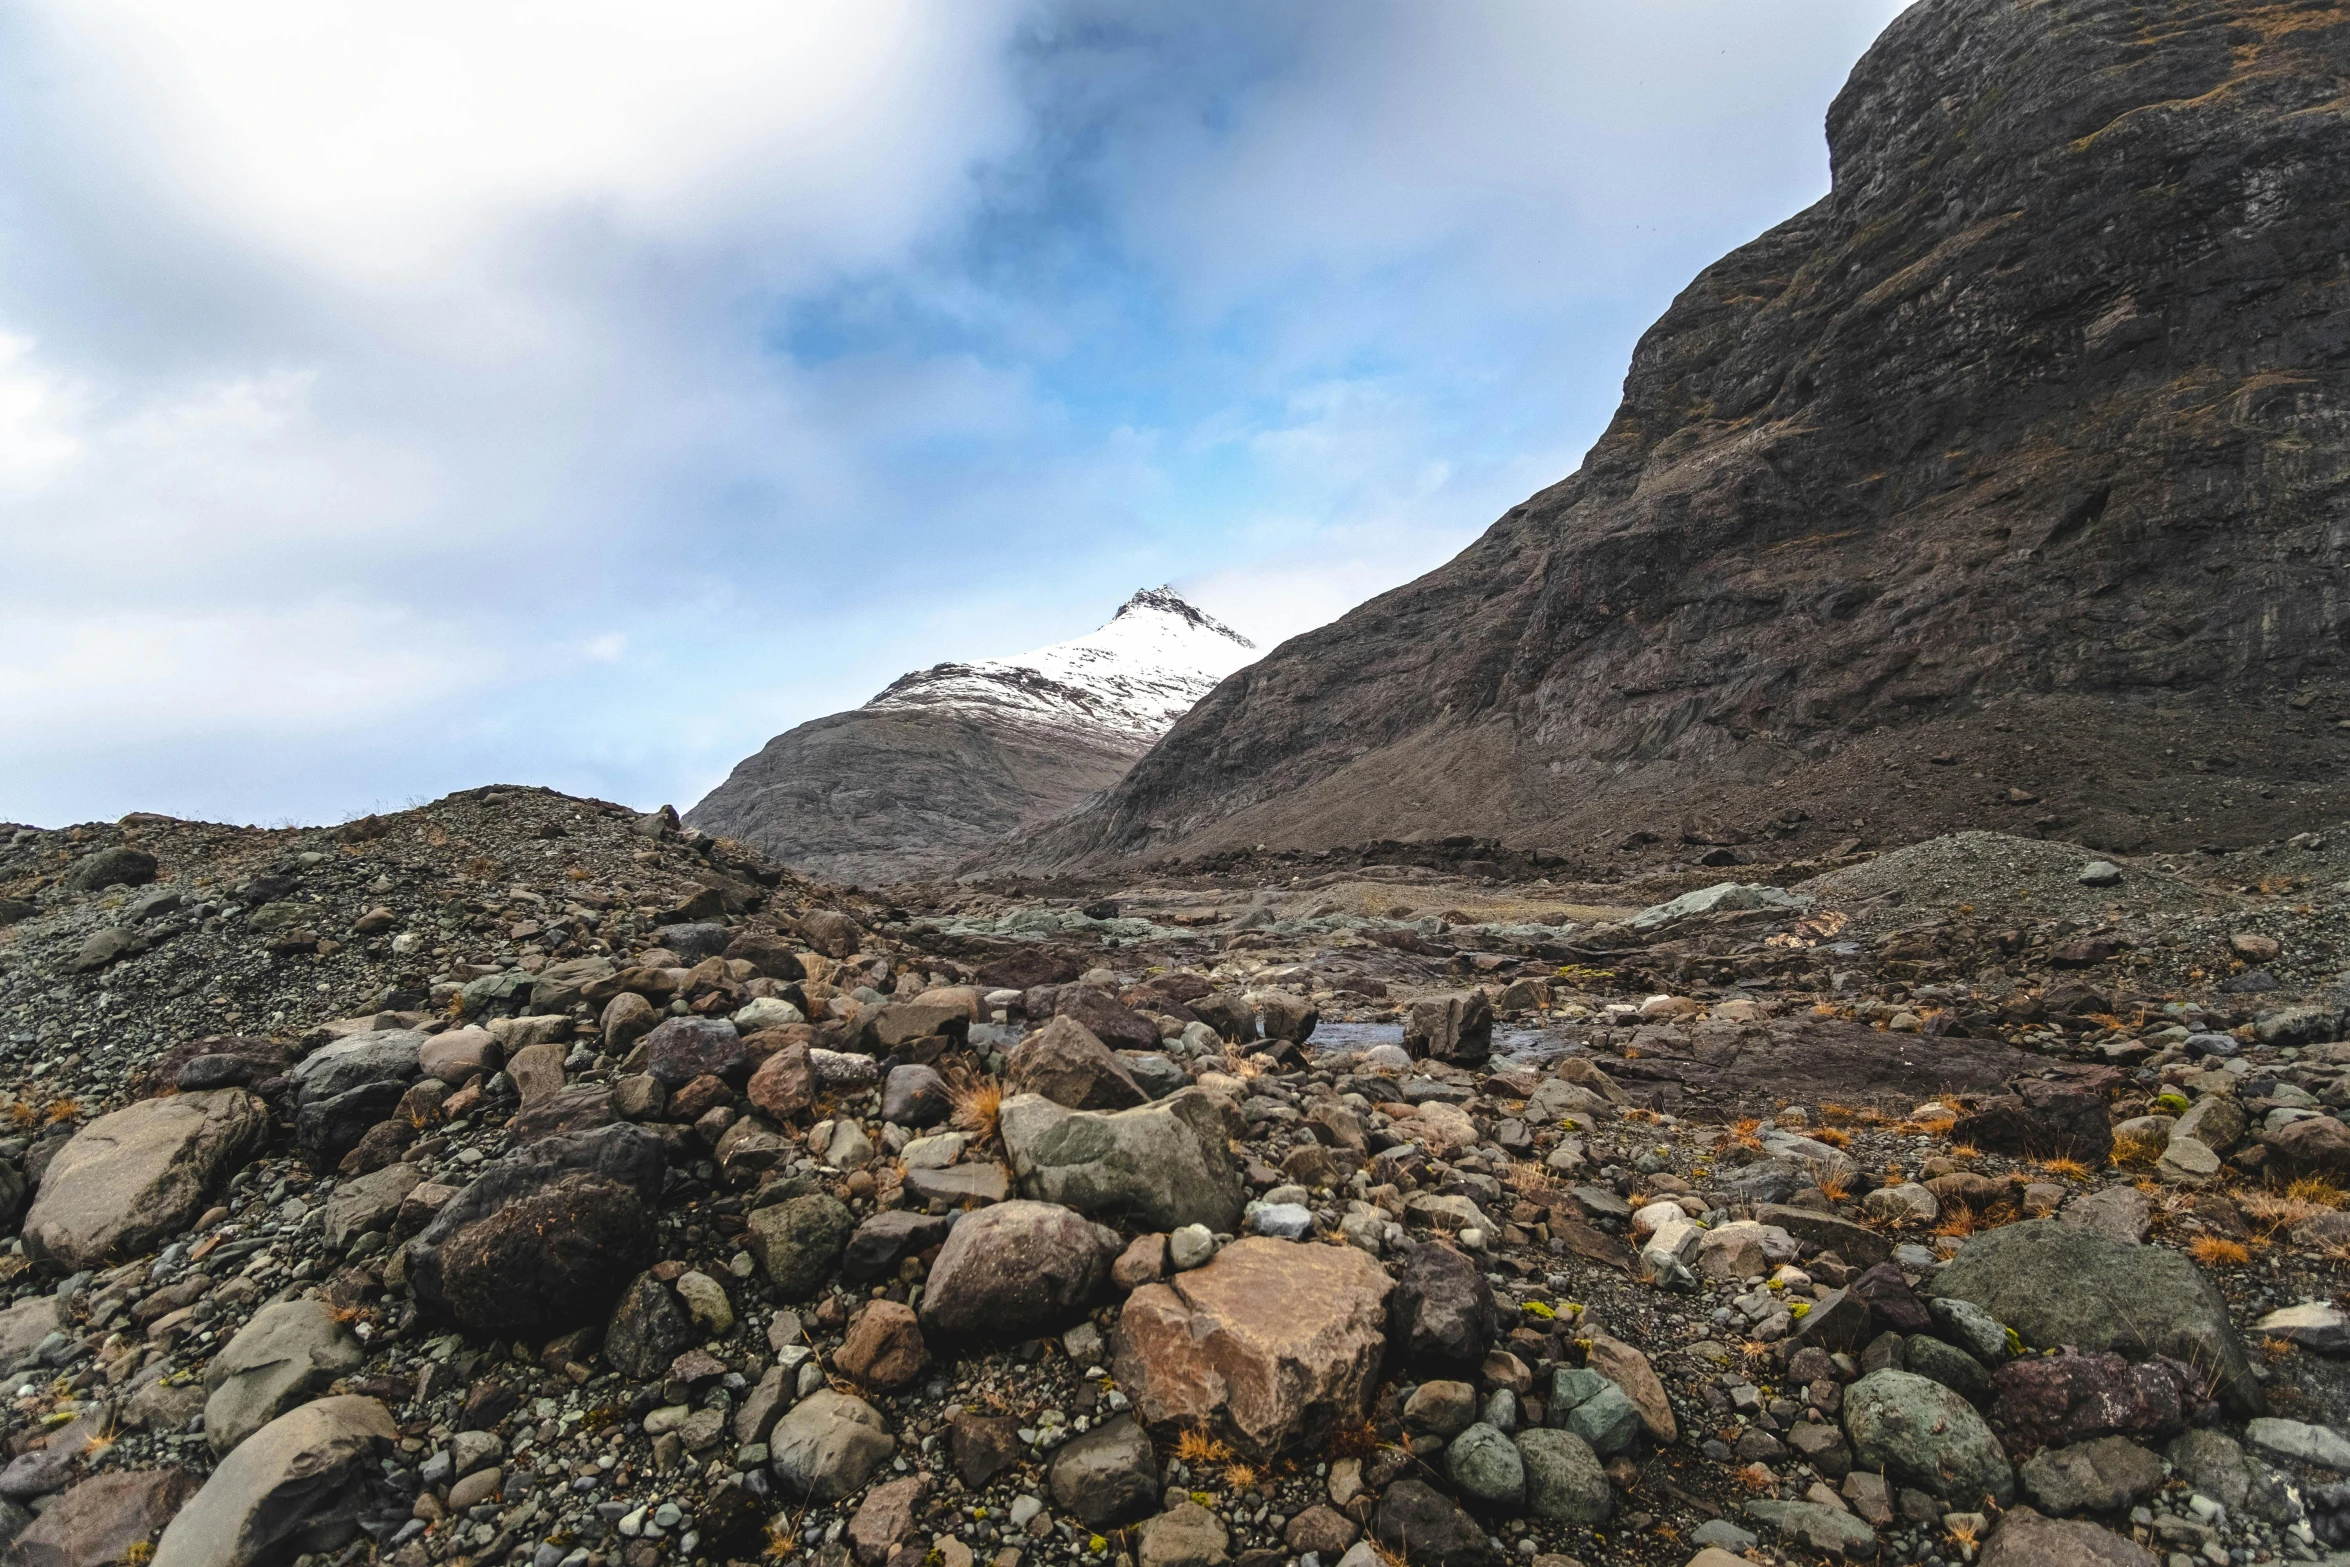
399 399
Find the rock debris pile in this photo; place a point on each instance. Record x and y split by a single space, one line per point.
517 1179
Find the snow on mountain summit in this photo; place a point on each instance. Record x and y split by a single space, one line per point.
1131 679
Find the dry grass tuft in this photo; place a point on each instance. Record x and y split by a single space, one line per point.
1832 1137
1957 1219
1196 1447
2277 1348
2215 1251
1834 1186
1964 1150
2070 1169
2316 1189
1241 1475
976 1105
62 1110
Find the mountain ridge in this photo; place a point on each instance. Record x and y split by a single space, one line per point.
2020 449
944 762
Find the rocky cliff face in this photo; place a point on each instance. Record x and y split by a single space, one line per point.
2005 486
950 759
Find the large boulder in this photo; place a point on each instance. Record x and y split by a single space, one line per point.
2041 1119
1565 1481
2052 1400
1457 1027
544 1238
297 1485
288 1351
120 866
1442 1309
1015 1270
1427 1528
1271 1343
1158 1166
2070 1284
108 1520
1921 1433
132 1179
1065 1063
1105 1017
343 1089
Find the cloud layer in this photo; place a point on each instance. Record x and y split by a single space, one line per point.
392 401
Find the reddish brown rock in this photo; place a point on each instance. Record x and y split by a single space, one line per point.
1271 1344
785 1085
1066 1063
884 1348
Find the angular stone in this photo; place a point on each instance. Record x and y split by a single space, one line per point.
2025 1538
101 1521
786 1084
959 1185
1014 1270
884 1348
1565 1481
915 1096
1860 1246
2102 1476
1442 1309
2122 1212
1108 1477
648 1330
1817 1527
2056 1284
2316 1325
289 1350
298 1483
1271 1343
134 1178
2053 1400
882 1242
1156 1167
1629 1370
1592 1407
367 1202
1185 1535
684 1048
1427 1528
1455 1027
2300 1442
1065 1063
457 1055
885 1517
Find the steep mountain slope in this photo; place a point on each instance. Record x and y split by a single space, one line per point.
2003 486
949 759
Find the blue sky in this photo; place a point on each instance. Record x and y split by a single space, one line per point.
399 399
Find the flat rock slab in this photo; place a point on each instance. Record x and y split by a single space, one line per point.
302 1474
99 1521
1273 1342
2026 1539
1158 1166
131 1179
1832 1058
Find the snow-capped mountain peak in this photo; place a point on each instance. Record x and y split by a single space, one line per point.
1131 679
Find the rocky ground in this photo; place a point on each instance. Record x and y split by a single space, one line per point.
518 1179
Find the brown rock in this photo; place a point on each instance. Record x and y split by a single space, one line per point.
1324 1529
1144 1261
884 1348
1015 1269
1067 1064
99 1521
1272 1342
785 1085
2024 1538
885 1517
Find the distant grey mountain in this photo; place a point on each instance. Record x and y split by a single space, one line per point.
949 759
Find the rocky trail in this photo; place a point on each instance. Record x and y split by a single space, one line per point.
518 1179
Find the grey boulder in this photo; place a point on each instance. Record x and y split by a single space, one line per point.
828 1445
2057 1284
1922 1434
133 1178
1158 1166
288 1351
297 1485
